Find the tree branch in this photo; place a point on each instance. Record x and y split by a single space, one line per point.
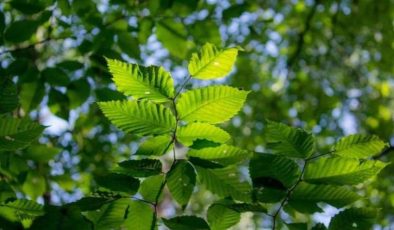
301 35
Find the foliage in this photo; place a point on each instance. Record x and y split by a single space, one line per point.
188 151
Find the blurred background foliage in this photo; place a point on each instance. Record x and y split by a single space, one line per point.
325 66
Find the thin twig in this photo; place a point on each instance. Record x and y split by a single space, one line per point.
288 194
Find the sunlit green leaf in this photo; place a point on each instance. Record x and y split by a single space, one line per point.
212 104
181 181
359 146
212 62
143 118
193 131
152 82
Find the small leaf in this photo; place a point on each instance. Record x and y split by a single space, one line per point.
155 146
288 141
152 83
359 146
221 218
181 181
341 171
20 31
193 131
212 62
141 168
212 104
186 222
225 182
353 218
8 96
119 183
223 154
143 118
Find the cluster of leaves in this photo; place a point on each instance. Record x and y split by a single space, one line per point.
292 177
335 53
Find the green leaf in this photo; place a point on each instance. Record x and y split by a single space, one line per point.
129 44
269 195
181 181
359 146
155 146
225 182
221 218
206 31
40 153
119 183
273 171
34 185
8 96
245 207
193 131
341 171
150 187
141 168
143 118
173 35
31 95
297 226
212 62
289 141
223 154
18 210
90 203
20 31
353 218
152 83
186 222
212 104
110 216
17 133
139 216
307 195
55 76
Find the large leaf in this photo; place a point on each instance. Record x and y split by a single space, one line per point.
212 104
212 62
273 171
151 187
339 170
181 181
110 216
155 146
221 217
143 118
225 182
139 216
153 82
18 210
141 168
119 183
289 141
223 154
353 218
17 133
186 222
194 131
305 196
359 146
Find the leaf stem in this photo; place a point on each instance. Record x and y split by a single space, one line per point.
173 141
